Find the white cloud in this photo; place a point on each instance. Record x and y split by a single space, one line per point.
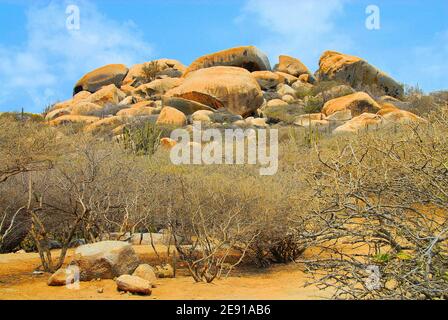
53 57
301 28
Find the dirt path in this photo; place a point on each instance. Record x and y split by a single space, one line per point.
280 282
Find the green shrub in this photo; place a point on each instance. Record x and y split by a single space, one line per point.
314 104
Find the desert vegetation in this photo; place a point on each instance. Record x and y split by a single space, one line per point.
383 194
359 202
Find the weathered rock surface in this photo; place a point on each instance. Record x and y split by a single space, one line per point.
172 116
358 103
105 260
267 79
363 122
248 57
294 67
85 109
356 72
106 75
133 284
69 119
233 87
135 76
108 95
184 105
146 272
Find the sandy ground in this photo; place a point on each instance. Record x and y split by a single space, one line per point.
285 282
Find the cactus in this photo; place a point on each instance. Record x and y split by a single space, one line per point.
142 140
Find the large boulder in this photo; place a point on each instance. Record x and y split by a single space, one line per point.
186 106
86 109
363 122
169 67
157 88
233 88
268 79
294 67
394 115
106 123
358 103
356 72
247 57
71 119
202 116
336 92
145 271
106 75
137 112
108 95
289 79
105 260
171 116
133 284
57 113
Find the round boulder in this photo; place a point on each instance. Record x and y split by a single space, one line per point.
135 285
105 260
356 72
106 75
172 116
358 103
234 87
247 57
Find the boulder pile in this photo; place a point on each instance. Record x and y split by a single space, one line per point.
111 260
236 87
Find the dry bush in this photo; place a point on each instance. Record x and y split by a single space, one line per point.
25 147
150 71
384 199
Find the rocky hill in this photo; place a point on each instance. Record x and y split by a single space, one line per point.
237 87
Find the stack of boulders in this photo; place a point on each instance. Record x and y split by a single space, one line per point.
111 260
235 87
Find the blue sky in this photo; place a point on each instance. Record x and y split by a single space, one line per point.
40 60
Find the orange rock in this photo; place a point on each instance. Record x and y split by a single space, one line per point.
386 108
57 113
81 96
111 123
127 89
234 87
247 57
190 106
289 79
73 119
157 88
358 103
293 66
363 122
305 78
85 109
144 103
268 79
135 74
356 72
172 116
167 143
106 75
401 117
135 112
107 95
